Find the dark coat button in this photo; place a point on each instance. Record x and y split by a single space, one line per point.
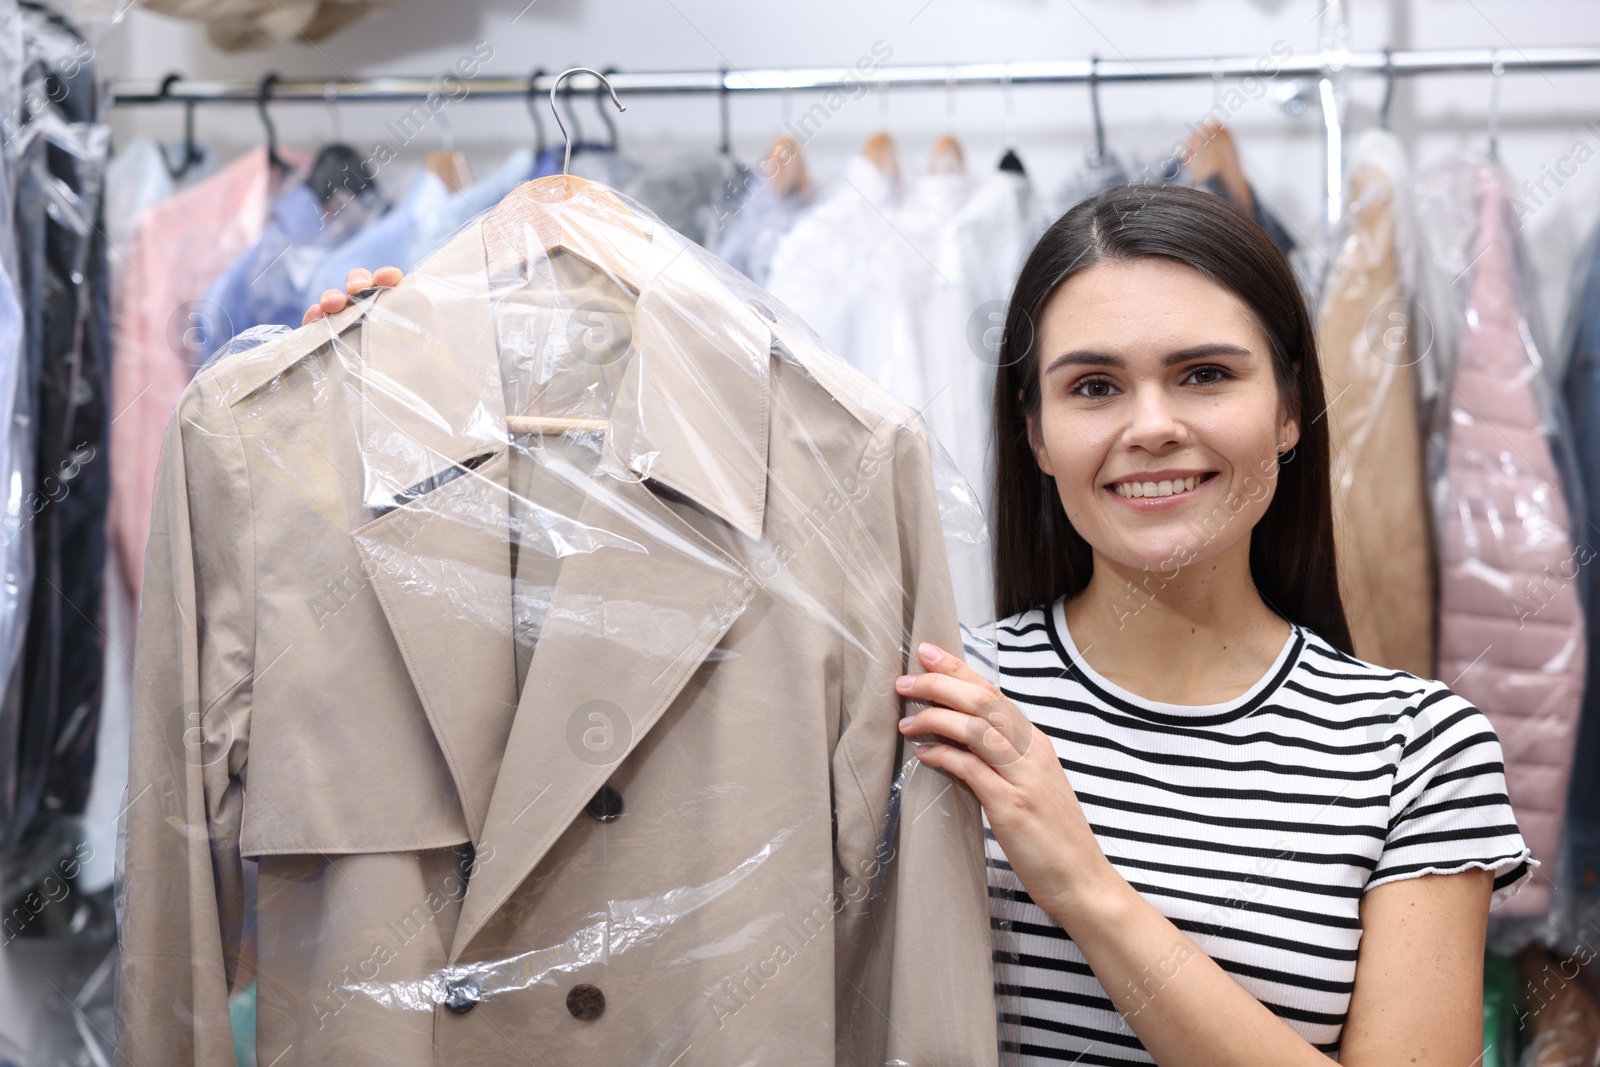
605 805
585 1002
462 995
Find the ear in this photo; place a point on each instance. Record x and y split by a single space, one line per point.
1288 433
1036 442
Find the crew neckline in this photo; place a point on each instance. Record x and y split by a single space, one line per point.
1161 711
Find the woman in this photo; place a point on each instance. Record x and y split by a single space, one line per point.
1217 837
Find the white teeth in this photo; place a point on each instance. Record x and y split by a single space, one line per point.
1164 488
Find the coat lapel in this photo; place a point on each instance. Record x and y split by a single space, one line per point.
440 567
434 459
629 623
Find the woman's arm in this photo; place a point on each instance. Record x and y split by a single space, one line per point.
1418 988
1419 976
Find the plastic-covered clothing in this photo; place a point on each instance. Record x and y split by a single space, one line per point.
179 247
828 268
912 289
1559 1018
136 180
16 443
752 232
860 269
599 163
62 288
16 556
276 279
577 745
1364 342
389 241
977 254
1099 171
1511 628
1265 217
483 194
693 194
1582 390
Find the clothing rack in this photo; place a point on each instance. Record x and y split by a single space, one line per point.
1329 66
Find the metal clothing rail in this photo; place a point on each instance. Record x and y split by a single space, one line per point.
822 79
1331 65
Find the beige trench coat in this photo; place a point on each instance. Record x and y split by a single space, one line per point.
683 842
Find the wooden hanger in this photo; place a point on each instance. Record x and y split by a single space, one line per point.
879 150
1212 151
947 157
540 205
553 424
785 168
451 168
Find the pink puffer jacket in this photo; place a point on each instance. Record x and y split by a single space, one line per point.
1511 628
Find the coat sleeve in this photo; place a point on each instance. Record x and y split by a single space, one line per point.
181 895
915 982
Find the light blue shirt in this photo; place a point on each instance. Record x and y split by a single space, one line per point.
460 208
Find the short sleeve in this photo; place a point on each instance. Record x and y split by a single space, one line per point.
1448 809
980 649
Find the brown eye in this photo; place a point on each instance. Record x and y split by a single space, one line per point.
1207 375
1093 388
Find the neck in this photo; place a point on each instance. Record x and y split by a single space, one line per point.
1199 636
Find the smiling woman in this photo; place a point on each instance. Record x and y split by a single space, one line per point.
1216 837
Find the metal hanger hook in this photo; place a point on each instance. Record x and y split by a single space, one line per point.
447 131
1497 68
1388 88
330 93
1009 103
263 94
567 161
533 112
1094 104
191 151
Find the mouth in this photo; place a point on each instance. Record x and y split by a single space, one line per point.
1161 485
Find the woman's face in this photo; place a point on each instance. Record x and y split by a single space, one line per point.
1160 421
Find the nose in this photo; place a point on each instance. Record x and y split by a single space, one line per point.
1154 424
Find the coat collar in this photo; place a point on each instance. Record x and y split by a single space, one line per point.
432 393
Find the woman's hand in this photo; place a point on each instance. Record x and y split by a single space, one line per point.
1011 767
357 281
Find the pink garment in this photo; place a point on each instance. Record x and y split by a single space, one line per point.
1511 628
178 249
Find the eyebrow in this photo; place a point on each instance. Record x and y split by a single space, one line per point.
1090 358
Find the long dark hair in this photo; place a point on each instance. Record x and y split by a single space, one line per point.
1038 556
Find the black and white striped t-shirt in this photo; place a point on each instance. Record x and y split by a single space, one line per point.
1255 825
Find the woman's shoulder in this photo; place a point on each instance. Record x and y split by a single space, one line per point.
1320 658
1388 696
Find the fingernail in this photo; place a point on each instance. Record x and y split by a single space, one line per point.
928 651
905 723
904 682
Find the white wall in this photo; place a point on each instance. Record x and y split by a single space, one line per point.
1542 114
